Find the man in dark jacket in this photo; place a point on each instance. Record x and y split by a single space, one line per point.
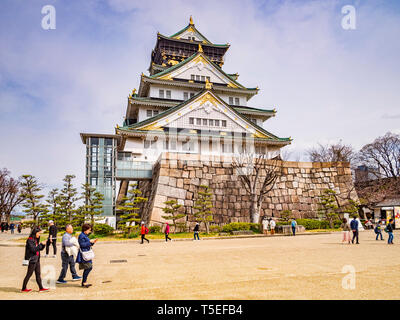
196 231
52 239
354 228
389 229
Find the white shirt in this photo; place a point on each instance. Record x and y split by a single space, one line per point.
265 224
273 224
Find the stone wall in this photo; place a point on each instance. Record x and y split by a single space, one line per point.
178 176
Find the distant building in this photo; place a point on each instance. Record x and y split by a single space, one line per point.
364 173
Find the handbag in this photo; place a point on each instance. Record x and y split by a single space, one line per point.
87 255
25 262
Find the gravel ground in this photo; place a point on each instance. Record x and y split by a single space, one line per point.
301 267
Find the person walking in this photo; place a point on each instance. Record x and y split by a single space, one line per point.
32 254
67 260
52 239
143 232
265 224
378 230
6 226
12 226
354 228
389 230
346 231
294 224
85 262
196 231
272 225
19 227
167 232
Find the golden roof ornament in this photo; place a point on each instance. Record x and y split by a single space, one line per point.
200 48
191 21
208 84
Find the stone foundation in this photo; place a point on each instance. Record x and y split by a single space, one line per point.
178 176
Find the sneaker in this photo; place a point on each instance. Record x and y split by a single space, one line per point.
54 256
86 285
61 282
26 290
44 290
46 255
76 278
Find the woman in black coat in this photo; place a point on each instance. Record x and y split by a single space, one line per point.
32 254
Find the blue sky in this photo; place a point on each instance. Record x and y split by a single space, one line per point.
327 83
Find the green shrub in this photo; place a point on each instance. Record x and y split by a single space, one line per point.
240 226
215 228
155 229
101 229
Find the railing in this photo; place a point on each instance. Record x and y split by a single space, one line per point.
131 169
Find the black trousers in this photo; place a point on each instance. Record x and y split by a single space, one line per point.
33 266
85 274
143 237
167 237
355 236
54 243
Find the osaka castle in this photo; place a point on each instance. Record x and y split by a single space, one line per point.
185 104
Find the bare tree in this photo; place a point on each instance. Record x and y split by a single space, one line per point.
258 174
384 154
10 194
332 153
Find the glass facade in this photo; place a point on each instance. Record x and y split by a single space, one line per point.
100 169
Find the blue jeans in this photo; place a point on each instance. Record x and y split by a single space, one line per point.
377 235
294 230
390 240
67 260
196 233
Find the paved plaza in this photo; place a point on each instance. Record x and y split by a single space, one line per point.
301 267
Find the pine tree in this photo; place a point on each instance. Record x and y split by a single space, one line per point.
329 205
129 207
79 216
32 203
68 199
203 205
93 202
171 209
53 203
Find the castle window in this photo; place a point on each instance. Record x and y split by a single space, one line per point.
192 94
216 123
168 92
198 121
224 123
192 77
155 112
161 93
149 113
204 122
208 78
230 100
211 122
197 77
237 101
191 120
185 95
203 78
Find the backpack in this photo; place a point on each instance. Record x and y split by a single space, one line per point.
146 230
376 230
386 229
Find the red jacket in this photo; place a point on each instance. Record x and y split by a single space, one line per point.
143 230
167 229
